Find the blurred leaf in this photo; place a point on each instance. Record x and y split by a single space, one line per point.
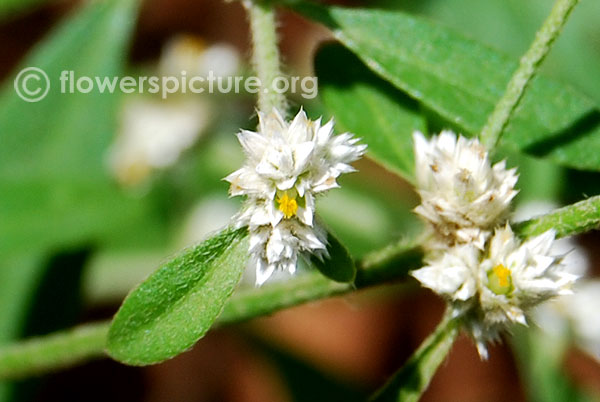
178 304
409 383
462 80
384 203
55 192
55 186
339 266
539 180
369 107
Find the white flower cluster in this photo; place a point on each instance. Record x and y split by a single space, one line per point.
287 165
475 261
463 195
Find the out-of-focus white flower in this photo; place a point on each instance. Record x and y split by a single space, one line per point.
287 165
153 133
462 195
500 286
190 54
577 315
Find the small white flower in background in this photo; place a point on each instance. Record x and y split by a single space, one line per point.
287 165
500 286
191 54
153 133
576 316
462 195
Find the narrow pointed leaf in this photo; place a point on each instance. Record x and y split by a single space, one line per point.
178 304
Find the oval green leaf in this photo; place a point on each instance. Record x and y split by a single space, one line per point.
178 304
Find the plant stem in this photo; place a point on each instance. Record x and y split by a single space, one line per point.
409 383
265 55
528 66
54 351
51 352
567 221
388 264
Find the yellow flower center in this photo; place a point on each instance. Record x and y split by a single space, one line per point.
288 205
500 280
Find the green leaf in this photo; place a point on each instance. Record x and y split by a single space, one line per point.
54 189
409 383
339 266
369 107
462 80
178 304
53 176
388 264
573 219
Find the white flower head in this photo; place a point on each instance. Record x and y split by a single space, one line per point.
462 195
287 165
499 286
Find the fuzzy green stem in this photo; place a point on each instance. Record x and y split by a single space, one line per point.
55 351
62 349
388 264
265 55
409 383
567 221
528 66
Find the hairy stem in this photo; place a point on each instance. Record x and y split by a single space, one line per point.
409 383
567 221
528 66
388 264
265 55
51 352
54 351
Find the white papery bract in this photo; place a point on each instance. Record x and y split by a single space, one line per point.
462 195
287 165
494 288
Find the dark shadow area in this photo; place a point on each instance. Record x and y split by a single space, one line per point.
100 381
579 185
305 382
57 305
583 127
